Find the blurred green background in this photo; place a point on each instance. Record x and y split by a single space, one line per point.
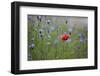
44 41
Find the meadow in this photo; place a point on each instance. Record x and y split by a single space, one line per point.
45 37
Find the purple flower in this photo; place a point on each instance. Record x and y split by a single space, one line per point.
29 17
40 33
48 31
39 18
48 21
82 38
32 45
78 47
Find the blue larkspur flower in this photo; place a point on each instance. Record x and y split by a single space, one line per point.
39 18
29 17
81 40
48 21
32 45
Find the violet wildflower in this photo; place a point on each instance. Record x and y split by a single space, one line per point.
48 21
32 45
30 18
78 47
39 18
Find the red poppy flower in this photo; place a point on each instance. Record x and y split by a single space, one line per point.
64 37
